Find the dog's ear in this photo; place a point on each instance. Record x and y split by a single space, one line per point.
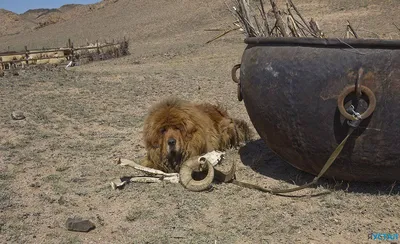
152 139
152 143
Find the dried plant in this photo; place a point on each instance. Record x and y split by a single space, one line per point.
277 22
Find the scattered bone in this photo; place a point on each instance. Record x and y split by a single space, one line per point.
207 161
130 163
117 183
214 157
155 176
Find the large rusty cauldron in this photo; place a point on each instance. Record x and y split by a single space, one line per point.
291 87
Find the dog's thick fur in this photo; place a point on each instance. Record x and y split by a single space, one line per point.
176 130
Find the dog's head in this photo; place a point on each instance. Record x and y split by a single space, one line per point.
168 128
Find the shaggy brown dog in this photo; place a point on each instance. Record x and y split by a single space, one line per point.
176 130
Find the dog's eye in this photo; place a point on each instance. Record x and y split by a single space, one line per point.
163 130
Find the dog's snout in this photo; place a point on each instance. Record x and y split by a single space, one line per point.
171 142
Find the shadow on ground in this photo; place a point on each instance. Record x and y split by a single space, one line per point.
263 160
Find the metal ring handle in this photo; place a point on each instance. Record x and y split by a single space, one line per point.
371 106
233 73
239 93
236 80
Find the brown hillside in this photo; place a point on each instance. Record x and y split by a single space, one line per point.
12 23
34 14
144 21
38 18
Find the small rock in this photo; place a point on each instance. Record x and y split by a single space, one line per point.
17 115
78 224
61 200
100 219
1 73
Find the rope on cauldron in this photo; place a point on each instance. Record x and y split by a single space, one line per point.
328 163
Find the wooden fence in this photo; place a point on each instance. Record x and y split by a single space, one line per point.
90 52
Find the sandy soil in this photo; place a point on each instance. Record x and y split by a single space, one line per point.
58 162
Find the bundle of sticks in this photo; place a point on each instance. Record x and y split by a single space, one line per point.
256 22
253 19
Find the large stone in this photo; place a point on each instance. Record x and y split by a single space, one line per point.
78 224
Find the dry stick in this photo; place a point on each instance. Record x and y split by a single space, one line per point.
351 29
249 26
239 14
279 21
291 15
301 27
292 26
272 30
258 25
296 24
277 31
347 35
223 34
301 17
241 19
265 22
246 16
314 26
246 8
264 16
229 8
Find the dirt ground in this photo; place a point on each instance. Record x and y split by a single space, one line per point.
58 162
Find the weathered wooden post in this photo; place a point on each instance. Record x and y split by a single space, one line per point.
98 49
26 55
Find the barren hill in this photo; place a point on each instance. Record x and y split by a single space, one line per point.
12 23
174 22
33 19
34 14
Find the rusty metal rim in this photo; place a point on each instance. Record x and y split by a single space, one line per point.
324 42
371 106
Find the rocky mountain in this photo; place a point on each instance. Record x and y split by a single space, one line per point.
34 19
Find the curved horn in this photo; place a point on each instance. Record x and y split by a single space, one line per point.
186 171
